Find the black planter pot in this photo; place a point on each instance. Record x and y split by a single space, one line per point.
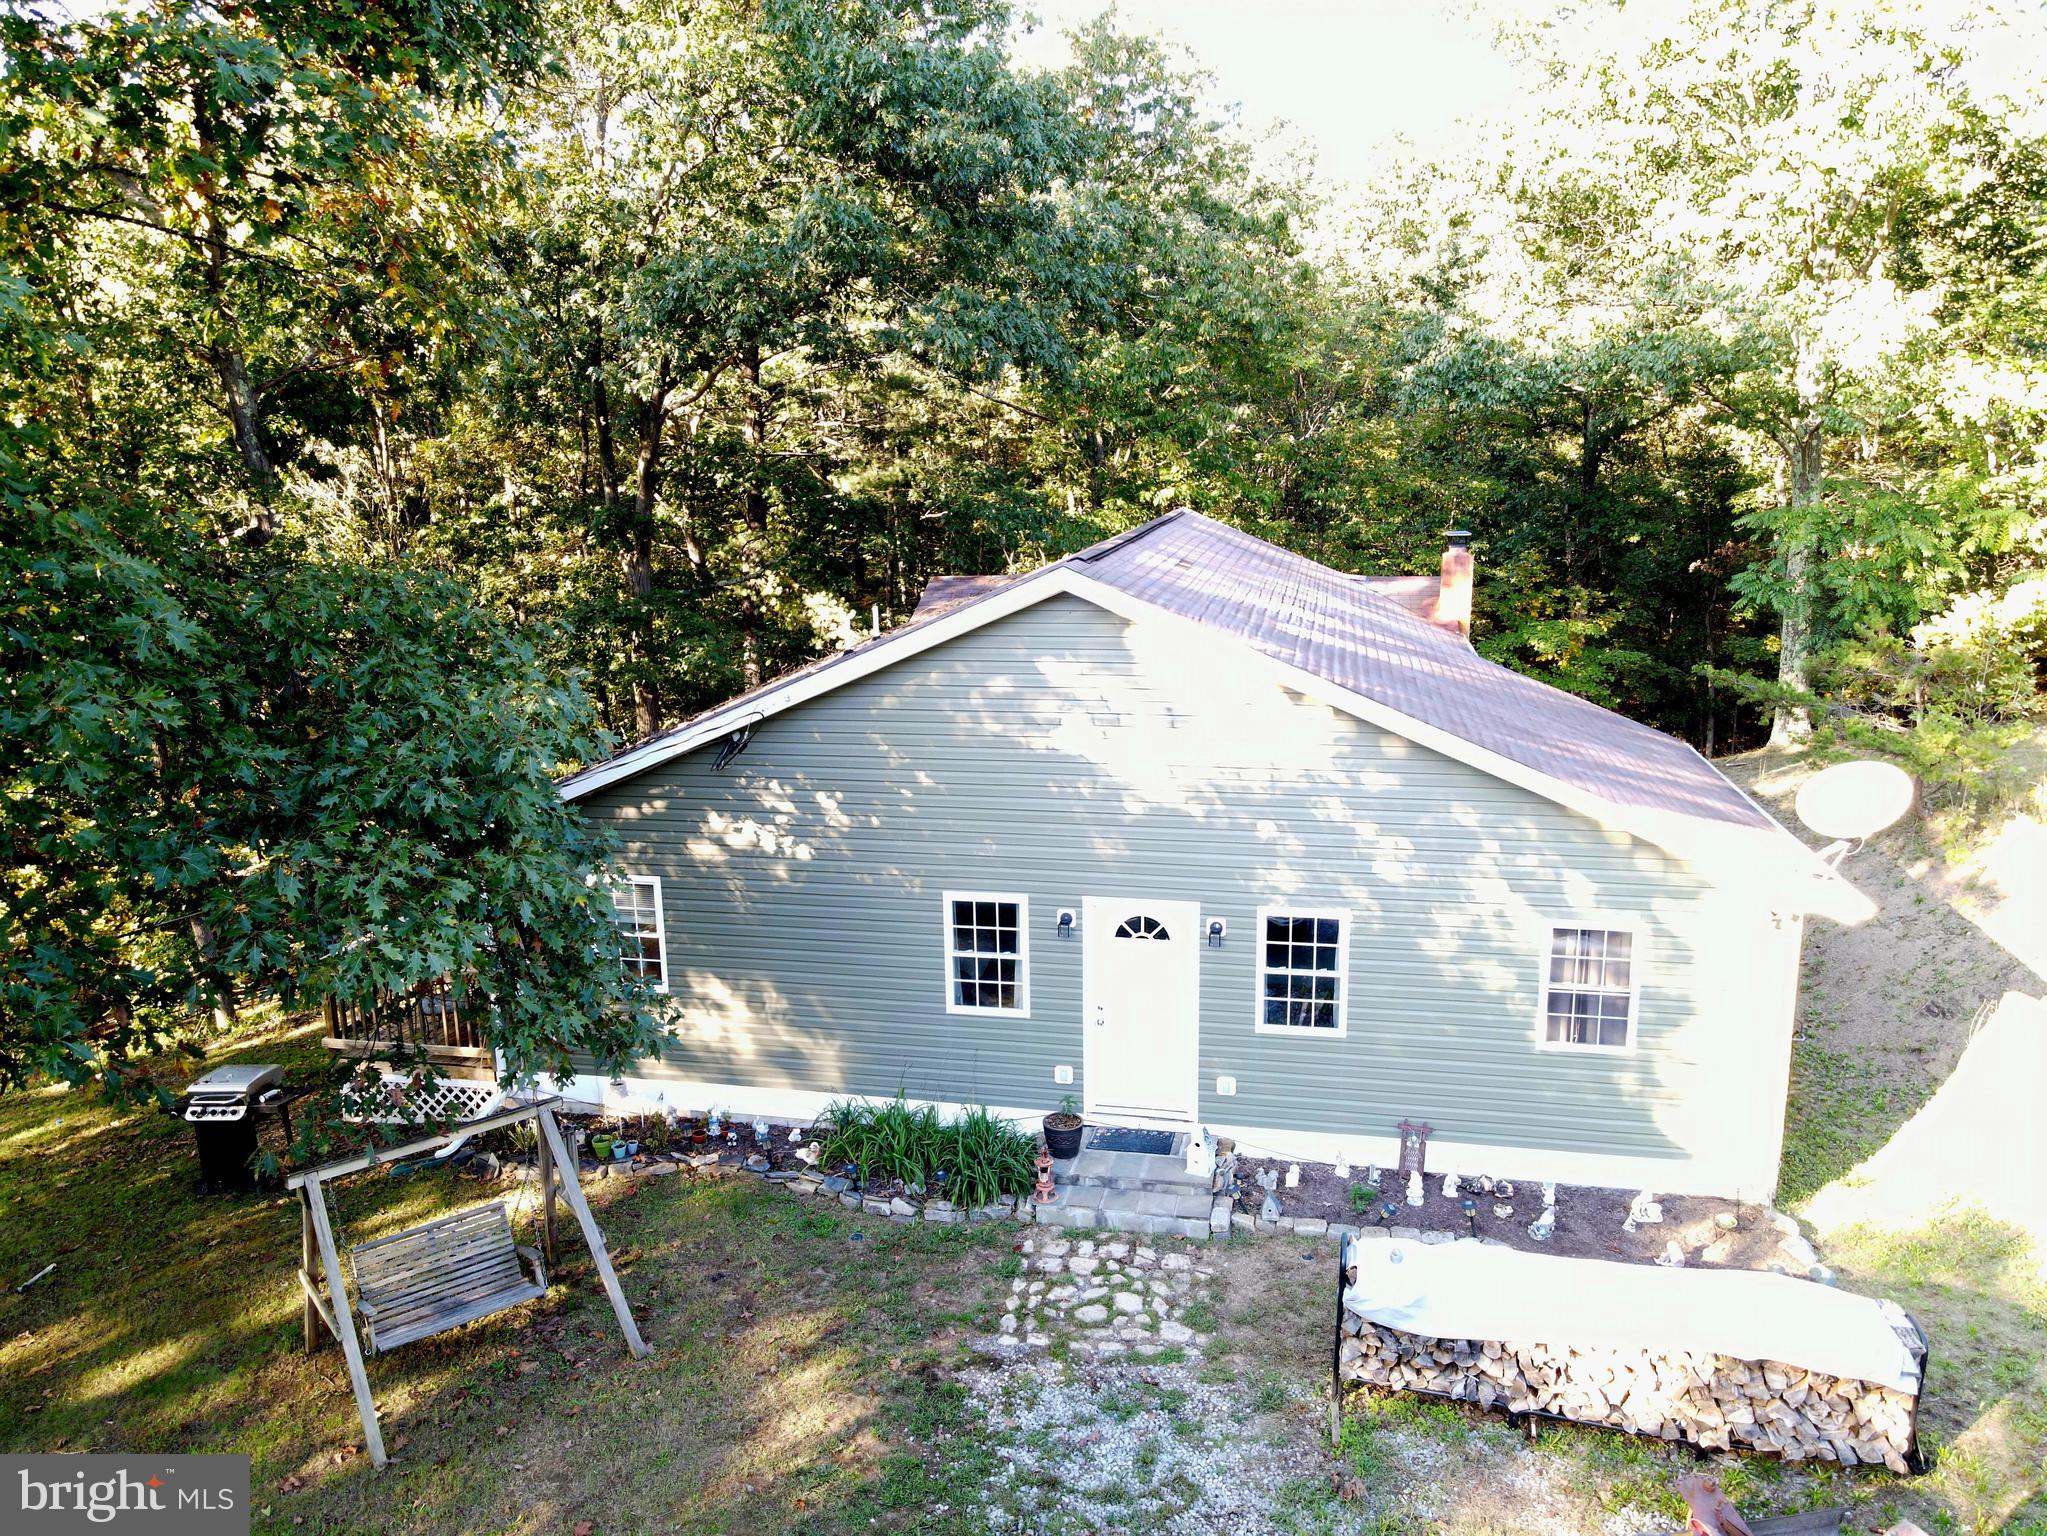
1063 1144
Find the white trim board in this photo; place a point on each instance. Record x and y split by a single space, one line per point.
791 1106
1767 860
726 720
1745 1171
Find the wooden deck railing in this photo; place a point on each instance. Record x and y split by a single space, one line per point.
436 1017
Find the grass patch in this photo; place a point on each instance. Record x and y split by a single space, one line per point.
1842 1109
1200 1316
801 1382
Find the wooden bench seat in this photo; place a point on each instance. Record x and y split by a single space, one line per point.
426 1280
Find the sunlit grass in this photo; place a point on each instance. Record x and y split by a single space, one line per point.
800 1380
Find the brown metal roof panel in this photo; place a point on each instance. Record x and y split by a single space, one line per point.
943 592
1318 620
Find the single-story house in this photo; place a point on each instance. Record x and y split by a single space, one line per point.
1205 834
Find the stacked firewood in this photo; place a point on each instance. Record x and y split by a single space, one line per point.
1710 1400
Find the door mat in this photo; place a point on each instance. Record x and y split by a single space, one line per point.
1120 1138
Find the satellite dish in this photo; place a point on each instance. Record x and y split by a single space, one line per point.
1855 800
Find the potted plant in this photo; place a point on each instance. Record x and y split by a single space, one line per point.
600 1145
1063 1127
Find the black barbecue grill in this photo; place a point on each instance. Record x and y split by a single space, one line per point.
222 1108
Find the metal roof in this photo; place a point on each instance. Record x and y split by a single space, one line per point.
943 592
1417 594
1319 620
1328 624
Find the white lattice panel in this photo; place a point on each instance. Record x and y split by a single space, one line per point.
442 1098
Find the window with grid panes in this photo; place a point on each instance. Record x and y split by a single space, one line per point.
1302 971
1590 995
985 952
636 909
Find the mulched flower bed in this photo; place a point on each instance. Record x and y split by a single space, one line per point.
1589 1220
659 1142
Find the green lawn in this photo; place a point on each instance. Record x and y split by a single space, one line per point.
797 1384
809 1372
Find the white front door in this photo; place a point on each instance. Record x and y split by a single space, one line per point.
1140 1006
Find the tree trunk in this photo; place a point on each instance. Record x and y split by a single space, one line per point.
754 512
637 558
1805 453
232 369
607 440
230 365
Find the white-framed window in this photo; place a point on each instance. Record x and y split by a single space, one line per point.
1591 985
642 941
987 953
1303 971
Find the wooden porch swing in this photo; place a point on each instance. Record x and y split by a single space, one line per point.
431 1278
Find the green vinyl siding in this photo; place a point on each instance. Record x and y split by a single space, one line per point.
1062 752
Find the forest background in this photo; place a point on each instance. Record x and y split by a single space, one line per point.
402 403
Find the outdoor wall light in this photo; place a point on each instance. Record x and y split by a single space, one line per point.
1068 922
1216 929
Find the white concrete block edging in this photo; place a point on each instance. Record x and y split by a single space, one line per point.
638 1095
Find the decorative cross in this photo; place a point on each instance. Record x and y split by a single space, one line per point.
1414 1146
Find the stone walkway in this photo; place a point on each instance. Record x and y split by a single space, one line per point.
1104 1299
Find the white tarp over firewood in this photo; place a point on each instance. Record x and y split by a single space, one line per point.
1468 1290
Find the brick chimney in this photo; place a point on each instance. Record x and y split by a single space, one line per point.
1453 590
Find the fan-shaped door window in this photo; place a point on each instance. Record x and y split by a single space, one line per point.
1142 927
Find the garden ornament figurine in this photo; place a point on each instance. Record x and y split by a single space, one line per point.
1711 1513
1643 1211
1414 1189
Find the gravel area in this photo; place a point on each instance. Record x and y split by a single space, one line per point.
1145 1448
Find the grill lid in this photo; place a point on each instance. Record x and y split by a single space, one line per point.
243 1081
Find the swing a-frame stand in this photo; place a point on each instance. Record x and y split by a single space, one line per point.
429 1279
